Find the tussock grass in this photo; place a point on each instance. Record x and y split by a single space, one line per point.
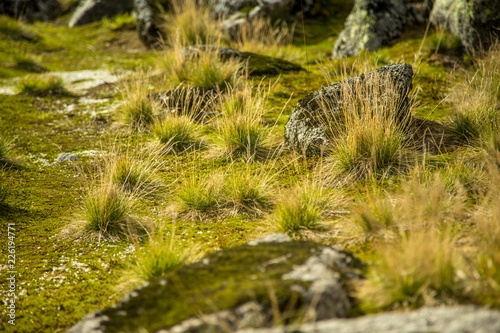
261 36
419 268
200 197
248 193
138 110
42 85
189 23
203 68
5 148
161 255
369 133
180 133
303 207
107 212
476 95
240 131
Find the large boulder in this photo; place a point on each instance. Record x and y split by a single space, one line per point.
93 10
238 288
31 10
453 319
477 22
308 126
373 24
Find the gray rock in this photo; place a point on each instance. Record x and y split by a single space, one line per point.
31 10
64 157
307 127
373 24
477 22
454 319
272 238
93 10
235 289
147 24
273 9
225 8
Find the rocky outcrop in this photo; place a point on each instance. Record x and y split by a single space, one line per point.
31 10
93 10
238 288
308 125
454 319
373 24
477 23
257 64
147 24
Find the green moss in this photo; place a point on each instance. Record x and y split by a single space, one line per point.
231 278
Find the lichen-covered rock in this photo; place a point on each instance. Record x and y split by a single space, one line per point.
93 10
477 22
373 24
147 24
453 319
257 64
236 289
31 10
307 127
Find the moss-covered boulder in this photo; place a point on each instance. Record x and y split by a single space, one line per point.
257 64
246 286
308 126
476 22
373 24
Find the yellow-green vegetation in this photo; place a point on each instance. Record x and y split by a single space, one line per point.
427 222
161 255
123 21
42 85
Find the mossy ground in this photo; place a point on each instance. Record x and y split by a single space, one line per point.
61 278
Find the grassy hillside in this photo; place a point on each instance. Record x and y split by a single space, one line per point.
153 189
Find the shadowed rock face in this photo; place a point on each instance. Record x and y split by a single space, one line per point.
147 25
235 289
477 22
93 10
373 24
306 129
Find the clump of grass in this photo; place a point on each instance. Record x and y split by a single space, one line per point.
138 110
107 212
42 85
240 131
370 131
132 174
124 21
248 193
178 132
261 36
477 95
200 197
202 68
420 268
5 148
302 207
161 255
375 214
191 24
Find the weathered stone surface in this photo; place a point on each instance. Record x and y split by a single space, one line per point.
373 24
93 10
306 129
63 157
240 283
454 319
477 22
257 64
147 24
31 10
